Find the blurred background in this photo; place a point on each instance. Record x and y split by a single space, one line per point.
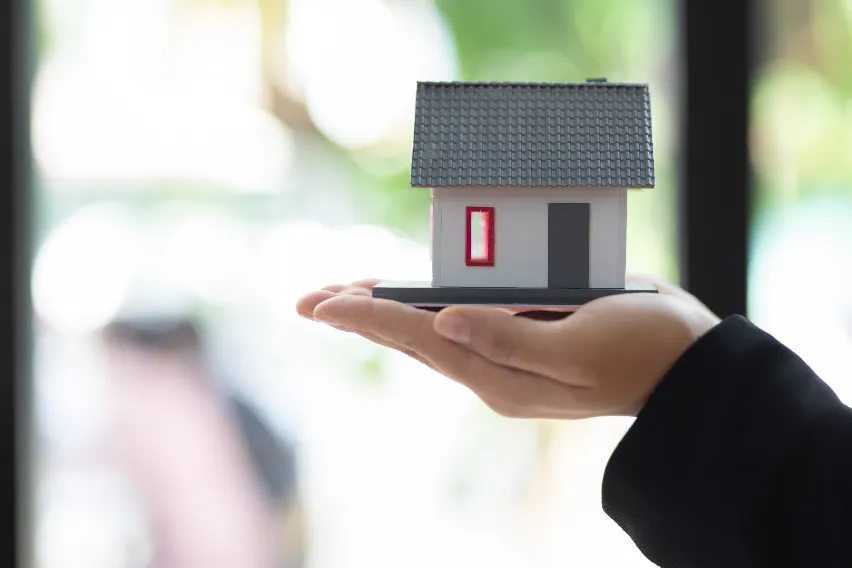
203 163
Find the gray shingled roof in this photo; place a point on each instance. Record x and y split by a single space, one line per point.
532 134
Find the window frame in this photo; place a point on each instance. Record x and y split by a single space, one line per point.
488 236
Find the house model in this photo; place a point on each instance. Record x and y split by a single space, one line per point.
529 186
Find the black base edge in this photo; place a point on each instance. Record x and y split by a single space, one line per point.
541 301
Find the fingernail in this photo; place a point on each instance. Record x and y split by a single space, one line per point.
453 327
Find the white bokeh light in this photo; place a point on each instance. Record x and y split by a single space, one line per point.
70 393
296 258
357 63
84 269
90 519
207 254
86 133
799 289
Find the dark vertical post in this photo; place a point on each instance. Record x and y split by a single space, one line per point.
15 313
716 174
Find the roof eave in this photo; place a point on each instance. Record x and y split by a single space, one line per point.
611 186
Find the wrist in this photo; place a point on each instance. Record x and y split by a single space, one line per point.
688 325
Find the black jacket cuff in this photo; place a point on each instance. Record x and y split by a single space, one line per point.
695 472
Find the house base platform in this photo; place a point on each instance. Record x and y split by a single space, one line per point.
435 298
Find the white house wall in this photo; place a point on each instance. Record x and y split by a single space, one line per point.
520 235
435 240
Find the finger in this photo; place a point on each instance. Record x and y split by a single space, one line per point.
367 284
522 343
306 304
662 286
373 338
356 291
394 321
665 287
518 391
385 343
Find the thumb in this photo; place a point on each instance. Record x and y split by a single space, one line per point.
504 339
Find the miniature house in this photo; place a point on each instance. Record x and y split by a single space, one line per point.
529 182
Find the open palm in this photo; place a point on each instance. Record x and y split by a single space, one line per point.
605 359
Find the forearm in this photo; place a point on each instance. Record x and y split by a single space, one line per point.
740 458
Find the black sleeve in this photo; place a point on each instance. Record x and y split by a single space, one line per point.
742 457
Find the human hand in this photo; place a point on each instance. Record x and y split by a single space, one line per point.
603 360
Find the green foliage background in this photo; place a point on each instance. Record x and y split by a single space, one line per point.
802 114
